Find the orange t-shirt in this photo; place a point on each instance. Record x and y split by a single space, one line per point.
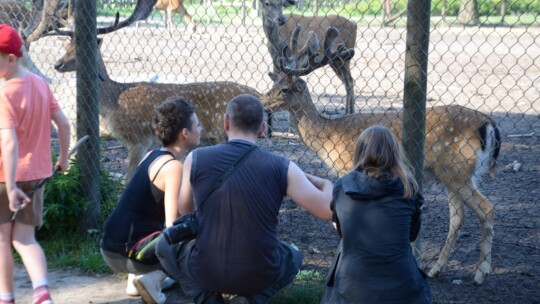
27 105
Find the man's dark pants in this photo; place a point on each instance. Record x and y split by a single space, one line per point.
174 260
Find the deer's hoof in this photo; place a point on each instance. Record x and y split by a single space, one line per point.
434 272
483 270
192 27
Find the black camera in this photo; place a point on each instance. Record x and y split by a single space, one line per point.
183 228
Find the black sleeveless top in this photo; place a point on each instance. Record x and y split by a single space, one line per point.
140 210
236 249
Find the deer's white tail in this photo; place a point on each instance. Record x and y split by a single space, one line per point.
486 157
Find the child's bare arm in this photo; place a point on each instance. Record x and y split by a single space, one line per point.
64 133
10 153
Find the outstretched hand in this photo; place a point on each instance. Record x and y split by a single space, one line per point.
318 182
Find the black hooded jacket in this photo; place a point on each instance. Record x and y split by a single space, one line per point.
374 262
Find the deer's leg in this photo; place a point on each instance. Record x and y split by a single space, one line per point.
135 153
484 211
457 215
170 13
343 71
189 20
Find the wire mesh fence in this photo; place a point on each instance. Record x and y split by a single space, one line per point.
483 55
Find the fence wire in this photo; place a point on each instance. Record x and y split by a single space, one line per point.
483 55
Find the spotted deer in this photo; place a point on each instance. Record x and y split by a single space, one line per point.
460 142
272 13
126 108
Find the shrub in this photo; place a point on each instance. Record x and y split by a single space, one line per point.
64 204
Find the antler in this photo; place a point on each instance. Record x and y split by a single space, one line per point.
306 61
142 11
43 12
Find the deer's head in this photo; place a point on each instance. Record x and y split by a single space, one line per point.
286 94
289 91
272 10
67 63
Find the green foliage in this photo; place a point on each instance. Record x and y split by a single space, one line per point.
299 294
310 276
363 11
64 204
452 7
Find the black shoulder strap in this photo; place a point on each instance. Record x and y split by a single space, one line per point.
228 173
173 158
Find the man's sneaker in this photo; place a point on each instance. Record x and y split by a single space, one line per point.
149 286
131 290
168 283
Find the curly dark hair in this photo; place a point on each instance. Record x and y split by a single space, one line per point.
171 117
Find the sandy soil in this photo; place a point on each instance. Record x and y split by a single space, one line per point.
72 287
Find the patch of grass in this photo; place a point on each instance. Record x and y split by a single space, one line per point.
72 251
310 276
307 288
299 294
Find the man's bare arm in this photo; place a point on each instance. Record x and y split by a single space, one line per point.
310 192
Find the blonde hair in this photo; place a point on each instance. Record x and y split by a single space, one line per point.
378 151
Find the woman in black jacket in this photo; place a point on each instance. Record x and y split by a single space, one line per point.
376 211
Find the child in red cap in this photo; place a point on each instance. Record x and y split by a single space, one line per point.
27 107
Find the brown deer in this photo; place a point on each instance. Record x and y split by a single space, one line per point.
175 6
272 13
126 108
169 7
460 142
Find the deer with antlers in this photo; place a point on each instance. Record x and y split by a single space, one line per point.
126 108
17 15
460 142
272 13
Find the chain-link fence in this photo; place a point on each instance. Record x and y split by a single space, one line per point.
483 55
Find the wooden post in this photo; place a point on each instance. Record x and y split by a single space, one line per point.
414 95
88 156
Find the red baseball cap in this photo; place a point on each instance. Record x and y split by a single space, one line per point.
10 41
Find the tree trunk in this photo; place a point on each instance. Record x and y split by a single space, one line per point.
468 12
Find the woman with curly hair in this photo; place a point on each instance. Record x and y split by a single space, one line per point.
150 201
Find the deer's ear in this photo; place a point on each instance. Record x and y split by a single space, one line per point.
298 84
273 76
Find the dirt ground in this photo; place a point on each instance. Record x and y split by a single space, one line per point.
72 287
494 70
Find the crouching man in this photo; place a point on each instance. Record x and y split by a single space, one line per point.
236 189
